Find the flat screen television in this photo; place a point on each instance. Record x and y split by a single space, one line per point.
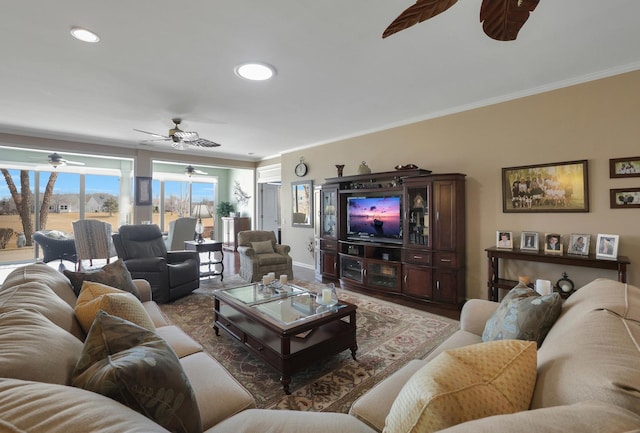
375 218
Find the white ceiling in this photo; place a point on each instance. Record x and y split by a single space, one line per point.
336 78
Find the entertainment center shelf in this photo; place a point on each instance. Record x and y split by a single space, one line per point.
400 232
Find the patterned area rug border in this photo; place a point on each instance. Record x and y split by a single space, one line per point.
389 336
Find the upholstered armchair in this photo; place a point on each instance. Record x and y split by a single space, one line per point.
171 274
92 240
180 230
56 246
260 254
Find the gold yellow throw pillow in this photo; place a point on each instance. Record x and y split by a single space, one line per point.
96 296
464 384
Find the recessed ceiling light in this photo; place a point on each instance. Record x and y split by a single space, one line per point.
84 35
255 71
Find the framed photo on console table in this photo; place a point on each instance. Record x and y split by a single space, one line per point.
554 187
579 244
553 243
607 246
529 241
504 239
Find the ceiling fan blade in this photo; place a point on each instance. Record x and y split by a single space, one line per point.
66 161
421 11
153 133
186 135
502 19
201 142
156 140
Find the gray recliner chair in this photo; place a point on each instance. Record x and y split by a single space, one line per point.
260 254
171 274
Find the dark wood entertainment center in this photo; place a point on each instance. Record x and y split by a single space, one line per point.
425 262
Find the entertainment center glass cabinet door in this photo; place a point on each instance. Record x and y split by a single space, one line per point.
329 226
416 226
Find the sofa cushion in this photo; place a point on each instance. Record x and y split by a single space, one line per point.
523 314
218 393
292 421
33 348
96 296
38 296
37 407
113 274
42 273
599 323
583 417
262 247
464 384
134 366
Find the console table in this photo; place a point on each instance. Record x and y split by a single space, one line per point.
208 247
494 254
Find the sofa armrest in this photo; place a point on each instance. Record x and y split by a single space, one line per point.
246 251
174 257
144 290
475 313
282 249
146 264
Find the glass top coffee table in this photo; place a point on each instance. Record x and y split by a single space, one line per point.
285 326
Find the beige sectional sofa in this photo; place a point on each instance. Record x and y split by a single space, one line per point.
588 374
38 354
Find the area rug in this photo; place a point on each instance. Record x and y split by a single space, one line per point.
388 336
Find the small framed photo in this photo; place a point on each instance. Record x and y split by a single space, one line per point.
625 198
553 243
579 244
529 241
504 239
624 167
607 246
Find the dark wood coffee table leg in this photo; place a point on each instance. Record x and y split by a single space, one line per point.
285 381
216 308
354 348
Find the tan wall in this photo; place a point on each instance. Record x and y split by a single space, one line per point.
594 121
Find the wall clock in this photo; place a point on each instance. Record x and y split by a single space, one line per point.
301 168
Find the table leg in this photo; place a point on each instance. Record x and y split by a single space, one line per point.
285 381
354 348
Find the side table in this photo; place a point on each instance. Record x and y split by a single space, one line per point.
208 246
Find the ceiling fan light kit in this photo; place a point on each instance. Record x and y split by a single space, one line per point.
501 19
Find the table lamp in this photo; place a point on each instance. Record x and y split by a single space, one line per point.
200 210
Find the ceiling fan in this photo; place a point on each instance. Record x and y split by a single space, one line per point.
501 19
179 138
56 160
190 171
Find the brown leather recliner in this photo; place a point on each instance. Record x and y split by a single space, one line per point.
171 274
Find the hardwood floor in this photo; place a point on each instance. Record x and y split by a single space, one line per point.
232 266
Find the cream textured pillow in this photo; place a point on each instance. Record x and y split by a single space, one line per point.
464 384
96 296
262 247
